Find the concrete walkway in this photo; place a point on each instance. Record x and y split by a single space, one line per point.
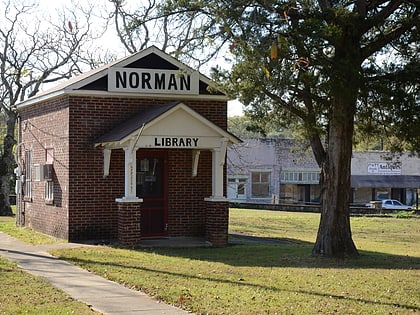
101 295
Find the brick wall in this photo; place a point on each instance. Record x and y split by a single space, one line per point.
84 201
42 127
129 219
187 208
217 223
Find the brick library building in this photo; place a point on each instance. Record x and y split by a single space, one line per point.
130 151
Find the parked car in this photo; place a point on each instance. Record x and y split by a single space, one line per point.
393 204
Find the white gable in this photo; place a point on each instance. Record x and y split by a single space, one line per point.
180 127
136 76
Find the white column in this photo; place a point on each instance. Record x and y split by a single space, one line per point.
218 159
130 176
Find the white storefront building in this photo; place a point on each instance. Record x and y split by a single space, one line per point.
282 171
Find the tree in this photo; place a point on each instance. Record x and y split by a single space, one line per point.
155 22
243 127
324 65
35 50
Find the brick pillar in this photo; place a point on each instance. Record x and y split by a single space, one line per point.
129 215
217 221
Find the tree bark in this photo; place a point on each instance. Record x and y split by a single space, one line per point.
7 165
334 237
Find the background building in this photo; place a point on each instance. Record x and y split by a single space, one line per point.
285 171
380 175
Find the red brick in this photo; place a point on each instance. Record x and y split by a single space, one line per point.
84 202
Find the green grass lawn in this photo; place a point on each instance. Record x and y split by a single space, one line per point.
22 293
280 278
275 278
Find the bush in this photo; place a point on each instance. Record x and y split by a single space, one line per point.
404 214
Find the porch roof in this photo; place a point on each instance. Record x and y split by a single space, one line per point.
129 126
173 119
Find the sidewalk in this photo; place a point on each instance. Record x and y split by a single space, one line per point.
101 295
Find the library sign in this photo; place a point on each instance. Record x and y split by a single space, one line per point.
153 81
179 142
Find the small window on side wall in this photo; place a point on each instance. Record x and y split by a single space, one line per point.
49 156
49 192
28 175
48 176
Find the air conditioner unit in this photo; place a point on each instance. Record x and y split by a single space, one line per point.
47 172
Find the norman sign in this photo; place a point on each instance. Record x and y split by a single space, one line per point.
152 81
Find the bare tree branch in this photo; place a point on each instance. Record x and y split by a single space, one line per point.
35 49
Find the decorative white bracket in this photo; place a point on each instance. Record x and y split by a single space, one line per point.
195 158
107 159
223 149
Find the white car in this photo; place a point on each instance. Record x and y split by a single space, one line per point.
394 204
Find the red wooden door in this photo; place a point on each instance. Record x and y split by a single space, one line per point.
152 188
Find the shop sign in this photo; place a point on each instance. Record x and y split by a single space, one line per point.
384 168
153 81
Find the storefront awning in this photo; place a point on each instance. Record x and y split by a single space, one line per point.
385 181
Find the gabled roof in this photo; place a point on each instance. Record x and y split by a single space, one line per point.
173 119
95 82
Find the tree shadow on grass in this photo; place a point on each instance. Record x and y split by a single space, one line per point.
249 251
282 253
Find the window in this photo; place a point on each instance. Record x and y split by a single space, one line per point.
260 184
28 174
236 188
241 187
49 192
47 176
297 177
37 172
49 159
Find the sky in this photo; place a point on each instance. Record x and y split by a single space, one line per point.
110 39
235 108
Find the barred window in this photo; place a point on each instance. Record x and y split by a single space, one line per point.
49 184
49 192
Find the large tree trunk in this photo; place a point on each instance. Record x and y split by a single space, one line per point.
7 165
334 237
